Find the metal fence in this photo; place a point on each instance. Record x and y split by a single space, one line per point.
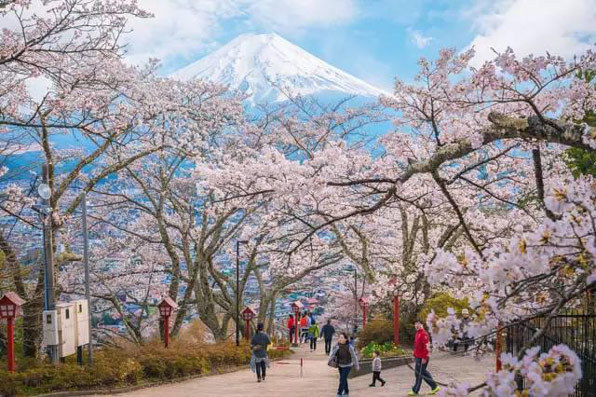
576 330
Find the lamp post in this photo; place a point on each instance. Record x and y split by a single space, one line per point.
247 315
86 263
364 307
45 192
166 307
9 309
238 242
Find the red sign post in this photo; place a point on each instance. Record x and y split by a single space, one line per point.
247 315
364 307
9 309
296 306
166 308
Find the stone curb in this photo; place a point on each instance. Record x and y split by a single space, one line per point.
388 362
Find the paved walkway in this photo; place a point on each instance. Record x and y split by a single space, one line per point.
283 379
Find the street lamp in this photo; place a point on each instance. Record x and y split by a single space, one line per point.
238 242
45 193
247 315
364 307
166 307
9 309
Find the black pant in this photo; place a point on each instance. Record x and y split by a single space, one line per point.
422 373
466 342
343 380
313 343
261 369
292 332
327 346
377 377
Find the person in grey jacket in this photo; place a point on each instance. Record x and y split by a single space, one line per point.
345 357
376 367
259 359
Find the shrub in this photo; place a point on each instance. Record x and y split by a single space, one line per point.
440 302
386 349
127 365
378 330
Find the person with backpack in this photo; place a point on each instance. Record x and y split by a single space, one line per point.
313 335
259 360
327 331
343 357
304 324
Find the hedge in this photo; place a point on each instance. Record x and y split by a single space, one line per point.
127 366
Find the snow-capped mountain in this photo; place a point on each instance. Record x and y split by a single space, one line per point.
263 66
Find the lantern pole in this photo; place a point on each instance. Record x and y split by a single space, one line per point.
166 324
396 319
10 337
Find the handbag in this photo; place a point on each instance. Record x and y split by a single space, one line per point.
333 361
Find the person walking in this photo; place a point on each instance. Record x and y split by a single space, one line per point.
343 356
291 327
259 360
304 328
376 367
421 357
327 331
313 334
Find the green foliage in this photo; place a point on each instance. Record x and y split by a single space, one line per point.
378 330
127 365
581 162
439 303
387 349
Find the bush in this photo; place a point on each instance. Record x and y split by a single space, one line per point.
128 365
440 302
378 330
387 349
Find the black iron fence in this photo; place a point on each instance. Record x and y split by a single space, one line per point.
576 330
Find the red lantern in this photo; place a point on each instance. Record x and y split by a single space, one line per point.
247 315
166 308
10 305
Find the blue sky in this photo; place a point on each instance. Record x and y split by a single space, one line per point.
375 40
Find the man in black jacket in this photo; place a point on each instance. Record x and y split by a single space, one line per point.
327 332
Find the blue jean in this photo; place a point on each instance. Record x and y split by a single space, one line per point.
422 373
343 380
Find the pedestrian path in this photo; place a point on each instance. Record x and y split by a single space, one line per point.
318 379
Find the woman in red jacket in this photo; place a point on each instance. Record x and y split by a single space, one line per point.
421 357
291 327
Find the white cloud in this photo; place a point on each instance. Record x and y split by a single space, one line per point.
178 28
293 16
181 28
534 26
418 39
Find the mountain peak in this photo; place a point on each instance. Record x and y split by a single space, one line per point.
263 66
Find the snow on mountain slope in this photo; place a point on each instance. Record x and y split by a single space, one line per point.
260 64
